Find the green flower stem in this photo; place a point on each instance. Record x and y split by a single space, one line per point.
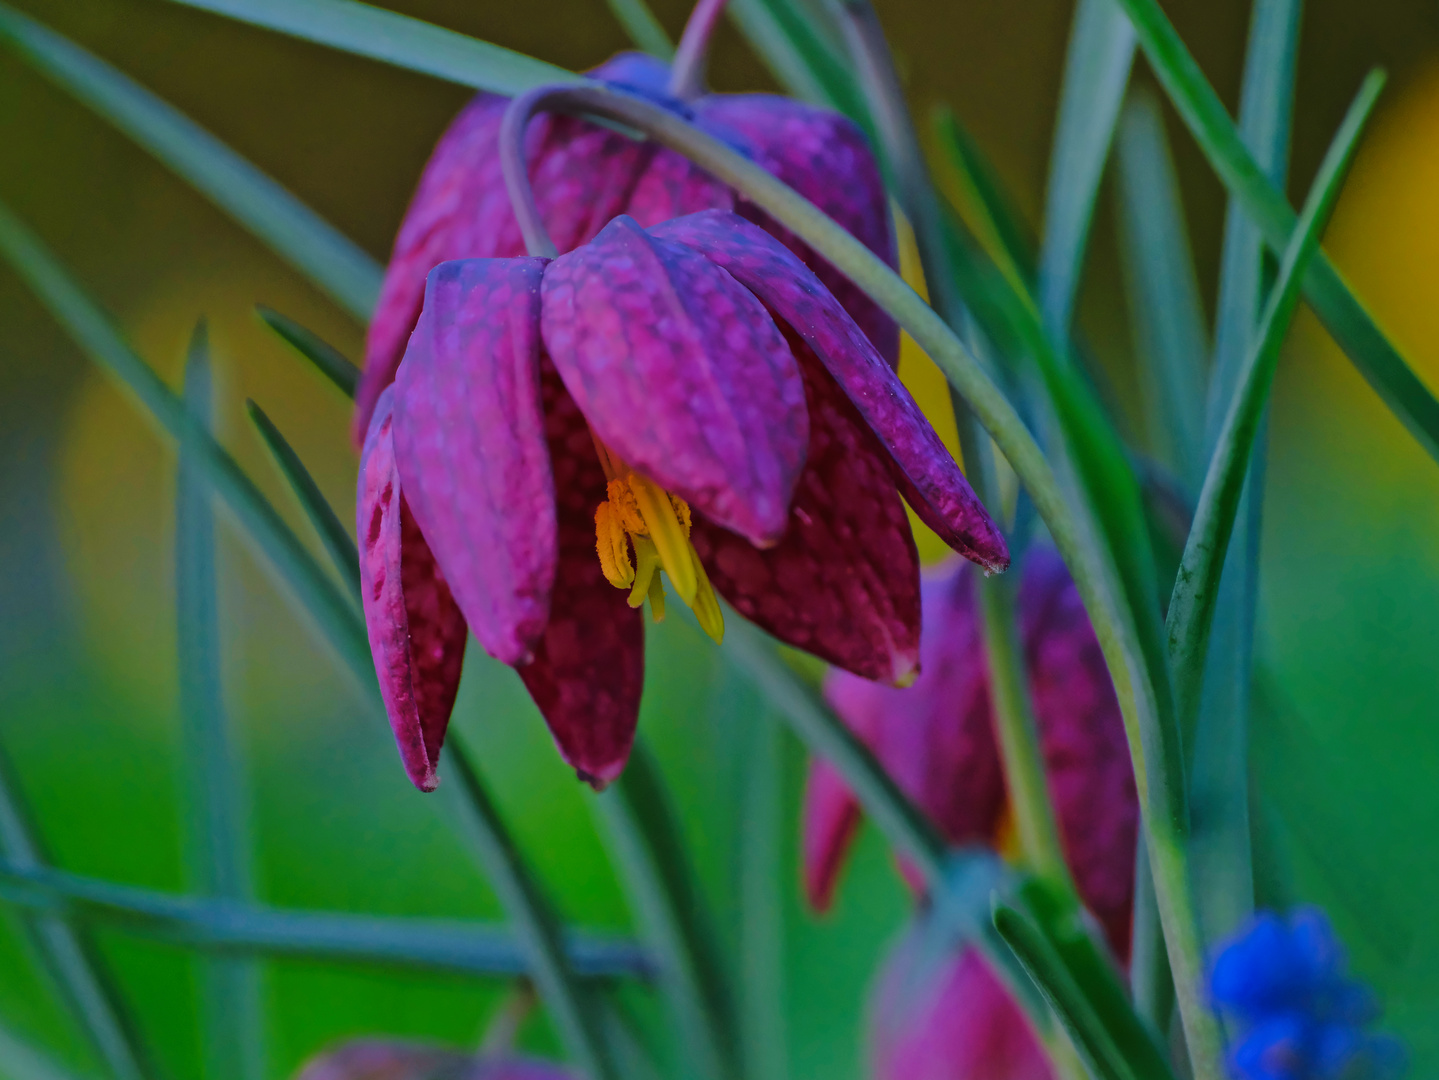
1166 817
1013 713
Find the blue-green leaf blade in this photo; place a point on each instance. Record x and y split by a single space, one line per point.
643 28
291 229
1096 71
328 360
396 39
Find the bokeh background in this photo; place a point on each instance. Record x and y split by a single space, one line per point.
1346 764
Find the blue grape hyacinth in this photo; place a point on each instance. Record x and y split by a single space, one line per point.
1301 1016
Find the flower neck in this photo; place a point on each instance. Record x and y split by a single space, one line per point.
687 77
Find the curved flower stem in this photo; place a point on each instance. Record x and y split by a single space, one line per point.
1094 571
687 77
1013 712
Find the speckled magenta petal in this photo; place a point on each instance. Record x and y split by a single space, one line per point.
826 158
1082 738
583 176
831 816
589 665
392 1059
416 631
930 478
682 373
843 584
944 1015
470 443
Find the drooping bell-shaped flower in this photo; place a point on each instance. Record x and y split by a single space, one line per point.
938 1012
937 740
561 432
585 175
391 1059
1299 1013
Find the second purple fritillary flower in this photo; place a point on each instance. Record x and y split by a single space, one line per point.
1301 1016
379 1059
561 432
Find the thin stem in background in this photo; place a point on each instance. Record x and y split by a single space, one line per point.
643 28
762 825
687 77
215 817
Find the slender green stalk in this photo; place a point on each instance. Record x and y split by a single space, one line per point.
287 226
763 1036
1135 657
226 927
24 1061
668 904
1191 608
328 360
215 818
1096 70
643 28
68 956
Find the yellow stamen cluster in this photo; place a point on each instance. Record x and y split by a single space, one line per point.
638 514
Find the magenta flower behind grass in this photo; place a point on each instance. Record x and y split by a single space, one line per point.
688 399
585 175
937 740
380 1059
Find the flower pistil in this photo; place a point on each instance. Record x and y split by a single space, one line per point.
640 514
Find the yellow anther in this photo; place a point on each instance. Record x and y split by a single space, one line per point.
622 498
682 511
613 546
669 536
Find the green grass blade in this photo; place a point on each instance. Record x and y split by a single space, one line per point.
333 534
287 226
233 1042
763 1036
1191 607
24 1061
395 39
1222 836
1330 296
575 1011
1068 1002
328 360
82 318
1096 71
68 956
799 54
227 927
639 22
1164 304
668 904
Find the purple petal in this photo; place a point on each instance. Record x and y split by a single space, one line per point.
416 631
948 1017
583 176
376 1059
682 372
826 158
831 817
589 665
843 584
1086 752
927 475
470 443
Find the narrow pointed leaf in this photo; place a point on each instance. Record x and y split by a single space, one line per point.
762 876
328 360
802 57
1191 607
395 39
91 329
1096 71
67 954
643 28
338 542
278 219
667 902
574 1010
462 947
1164 299
1333 301
25 1061
233 1042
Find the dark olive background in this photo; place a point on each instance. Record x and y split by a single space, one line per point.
1351 602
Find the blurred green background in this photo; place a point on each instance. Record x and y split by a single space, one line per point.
1350 604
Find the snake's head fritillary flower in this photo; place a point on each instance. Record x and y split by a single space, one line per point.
938 1012
936 739
676 401
379 1059
1301 1015
585 175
